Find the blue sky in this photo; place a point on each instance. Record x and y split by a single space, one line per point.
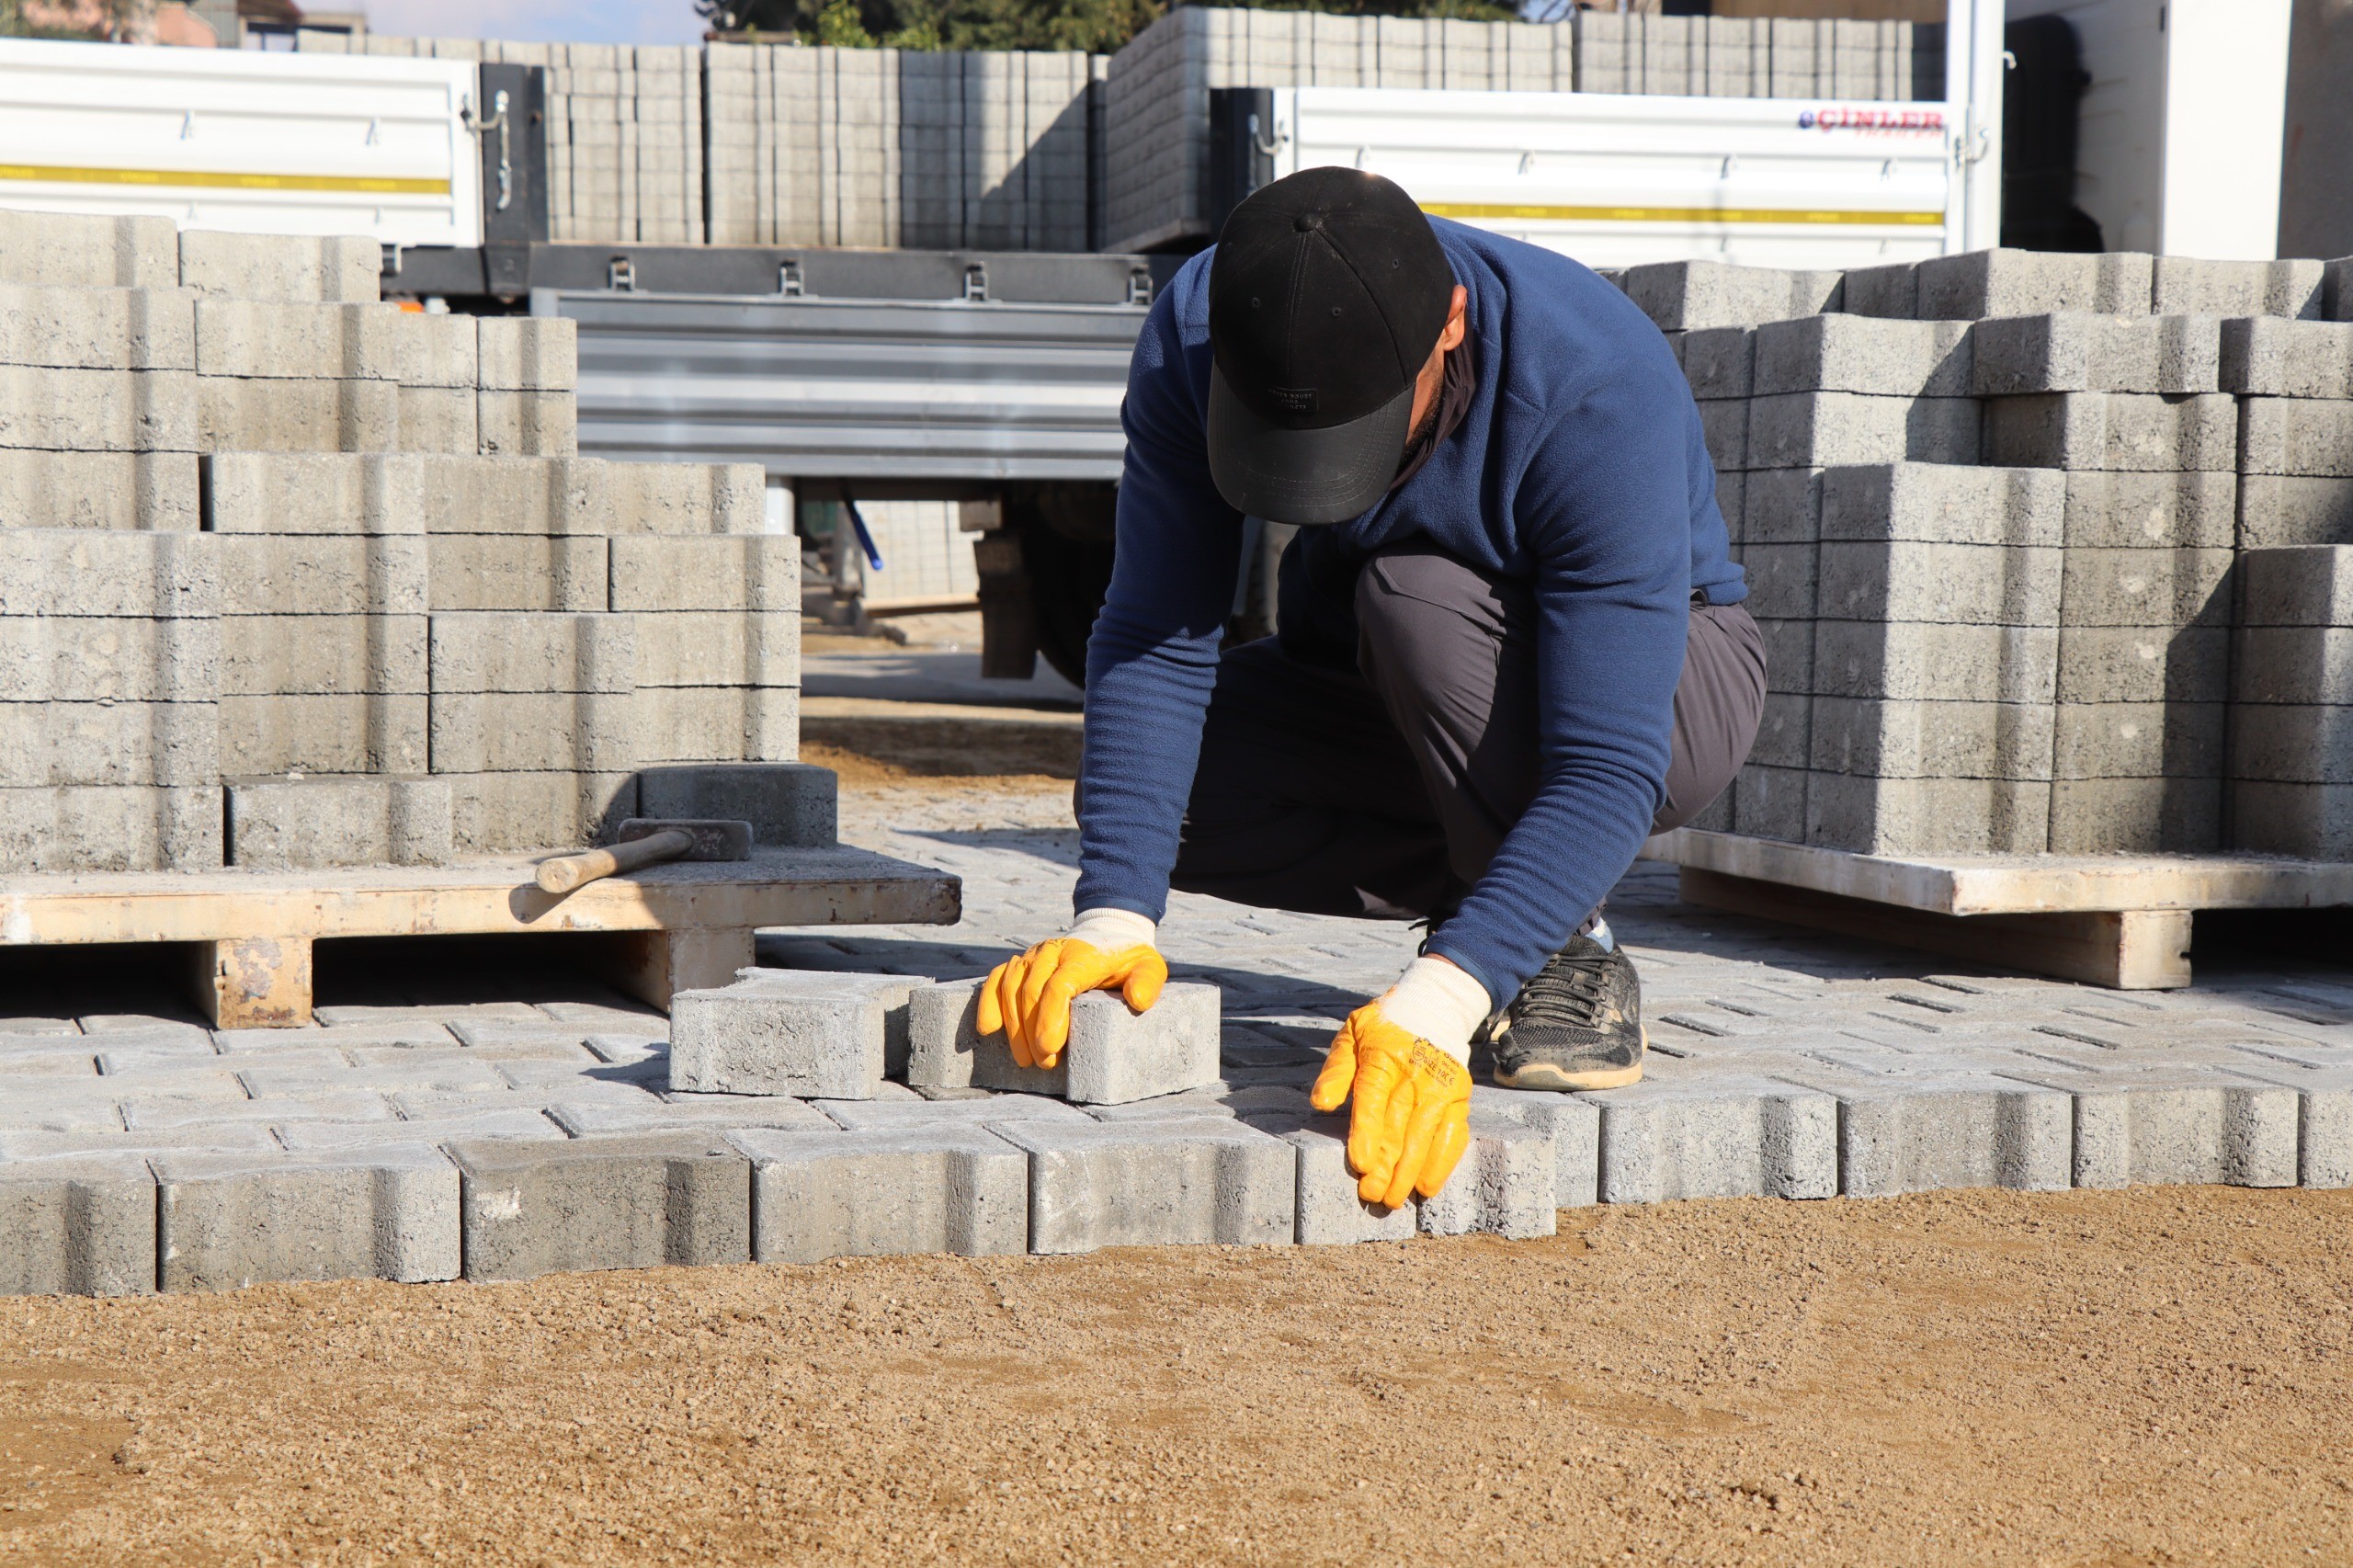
568 21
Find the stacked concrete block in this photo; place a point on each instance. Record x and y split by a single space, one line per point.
2294 382
1155 136
1929 710
1113 1057
2291 703
1757 57
77 1226
2126 408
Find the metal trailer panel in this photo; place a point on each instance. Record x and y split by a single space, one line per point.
283 143
1615 180
894 390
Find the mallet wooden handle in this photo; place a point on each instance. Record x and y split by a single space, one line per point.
566 872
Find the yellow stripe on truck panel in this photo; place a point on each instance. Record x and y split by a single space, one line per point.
1680 214
370 184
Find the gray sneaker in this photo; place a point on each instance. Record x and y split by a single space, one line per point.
1578 1025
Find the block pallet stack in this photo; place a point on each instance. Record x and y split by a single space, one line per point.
886 147
2000 515
1156 90
1742 57
292 578
624 129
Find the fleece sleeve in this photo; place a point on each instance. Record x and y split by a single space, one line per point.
1605 510
1151 660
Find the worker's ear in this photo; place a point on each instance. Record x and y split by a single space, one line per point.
1450 336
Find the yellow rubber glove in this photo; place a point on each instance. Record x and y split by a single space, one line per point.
1028 996
1411 1121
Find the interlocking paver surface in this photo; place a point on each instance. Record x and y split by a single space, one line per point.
1938 1074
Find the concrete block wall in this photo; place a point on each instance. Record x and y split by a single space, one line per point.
1999 513
291 577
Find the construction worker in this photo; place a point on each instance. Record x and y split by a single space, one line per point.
1510 647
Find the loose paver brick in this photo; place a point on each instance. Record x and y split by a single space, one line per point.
1114 1056
225 1219
77 1226
621 1202
1137 1184
819 1034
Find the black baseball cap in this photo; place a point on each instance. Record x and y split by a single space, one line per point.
1327 292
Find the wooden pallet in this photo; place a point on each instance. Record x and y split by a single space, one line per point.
663 929
2114 920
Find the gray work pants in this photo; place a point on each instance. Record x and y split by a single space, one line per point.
1384 790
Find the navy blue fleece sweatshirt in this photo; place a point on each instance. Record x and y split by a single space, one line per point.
1579 467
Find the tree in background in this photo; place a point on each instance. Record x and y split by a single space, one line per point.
1098 27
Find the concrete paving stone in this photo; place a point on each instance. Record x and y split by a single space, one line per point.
1784 580
2145 587
491 1034
2192 511
2284 289
684 498
1881 738
492 812
273 415
74 659
1908 661
282 824
1720 362
319 575
1574 1126
788 804
1139 1183
813 1034
36 1145
458 1075
111 411
2143 740
718 648
26 1113
76 250
1824 429
269 655
1938 503
940 1189
2288 509
77 1226
1979 284
2303 585
2271 357
2311 666
528 353
556 1053
523 1072
531 1209
1857 354
37 1025
2175 1129
1949 583
526 424
1503 1185
2134 663
1690 296
2082 352
143 1113
225 1221
1932 1131
1327 1210
986 1110
2141 816
1728 1138
2324 1120
626 1050
68 1061
533 651
1209 1101
1113 1056
709 1113
347 1015
299 268
436 351
516 572
2127 431
728 573
304 1137
44 744
242 338
207 1079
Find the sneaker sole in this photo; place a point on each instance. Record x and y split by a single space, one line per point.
1543 1076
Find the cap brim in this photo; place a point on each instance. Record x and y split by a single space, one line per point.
1304 476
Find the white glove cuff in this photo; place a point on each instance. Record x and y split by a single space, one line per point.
1109 930
1439 1003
